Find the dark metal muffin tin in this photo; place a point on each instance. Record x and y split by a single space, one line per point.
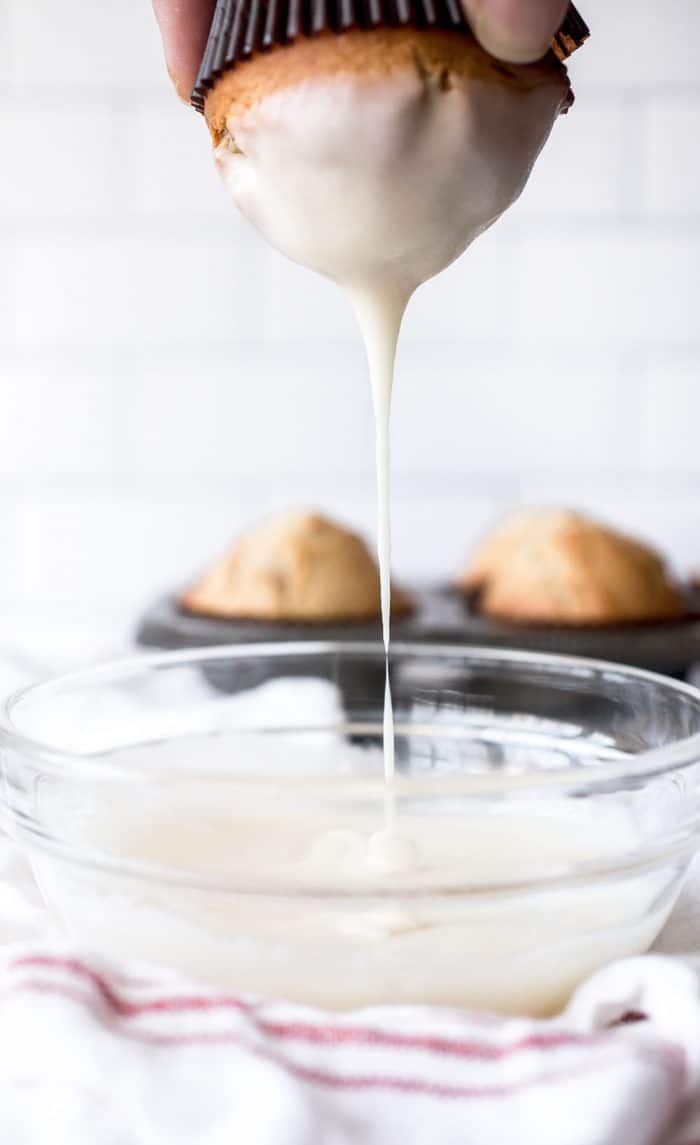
444 615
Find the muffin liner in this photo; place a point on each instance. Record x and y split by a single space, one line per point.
241 28
572 35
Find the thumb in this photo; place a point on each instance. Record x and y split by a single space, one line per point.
184 26
519 31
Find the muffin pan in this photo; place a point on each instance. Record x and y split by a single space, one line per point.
443 615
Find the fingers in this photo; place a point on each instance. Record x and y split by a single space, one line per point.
184 26
519 31
514 30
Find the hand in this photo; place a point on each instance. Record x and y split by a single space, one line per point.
515 30
519 31
184 26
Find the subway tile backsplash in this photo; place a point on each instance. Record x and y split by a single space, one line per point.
165 379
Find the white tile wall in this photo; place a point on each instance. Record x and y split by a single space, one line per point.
275 409
301 306
508 417
622 283
164 378
475 299
57 427
169 170
672 168
641 44
54 175
121 544
581 172
7 307
136 288
671 417
90 47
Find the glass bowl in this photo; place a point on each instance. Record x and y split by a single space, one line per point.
225 811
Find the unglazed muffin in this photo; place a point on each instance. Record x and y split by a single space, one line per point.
559 567
296 567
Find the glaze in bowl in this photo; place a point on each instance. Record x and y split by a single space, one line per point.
224 811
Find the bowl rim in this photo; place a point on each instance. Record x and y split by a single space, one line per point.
676 846
644 765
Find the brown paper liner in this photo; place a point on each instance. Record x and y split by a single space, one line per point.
572 35
240 28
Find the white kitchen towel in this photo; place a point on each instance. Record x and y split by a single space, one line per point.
93 1055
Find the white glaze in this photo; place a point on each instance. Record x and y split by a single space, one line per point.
318 905
380 184
330 914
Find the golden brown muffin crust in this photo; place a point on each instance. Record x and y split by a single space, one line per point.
298 567
557 567
372 53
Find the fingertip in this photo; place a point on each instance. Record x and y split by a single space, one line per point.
518 31
184 27
499 42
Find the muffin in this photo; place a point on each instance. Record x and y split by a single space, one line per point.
296 567
378 155
558 567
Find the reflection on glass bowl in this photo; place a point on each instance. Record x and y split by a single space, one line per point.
223 811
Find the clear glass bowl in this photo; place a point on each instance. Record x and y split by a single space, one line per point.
225 812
